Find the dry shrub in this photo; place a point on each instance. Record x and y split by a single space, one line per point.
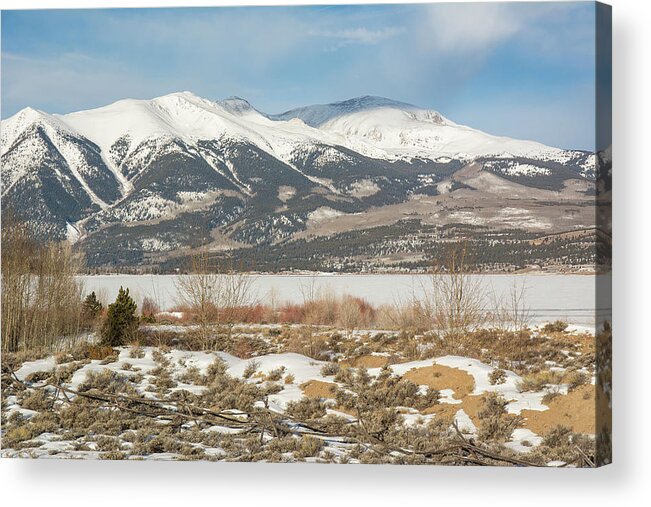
276 374
575 379
244 348
550 396
557 437
353 313
12 360
409 346
410 316
251 367
162 441
371 398
306 409
510 312
18 431
36 399
291 314
497 376
99 352
255 314
113 455
555 327
65 372
105 443
521 351
14 436
110 359
539 380
186 316
226 392
329 369
305 341
105 381
347 312
192 375
560 444
495 423
149 309
309 447
39 376
137 352
379 421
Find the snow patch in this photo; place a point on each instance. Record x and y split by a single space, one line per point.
364 188
323 214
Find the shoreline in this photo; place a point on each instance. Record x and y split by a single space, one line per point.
326 274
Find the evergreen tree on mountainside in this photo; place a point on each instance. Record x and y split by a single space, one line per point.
121 321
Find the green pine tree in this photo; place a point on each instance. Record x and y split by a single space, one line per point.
121 321
91 307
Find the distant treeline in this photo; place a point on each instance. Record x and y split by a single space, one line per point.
421 245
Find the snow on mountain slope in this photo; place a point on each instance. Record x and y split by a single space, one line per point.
374 126
384 128
190 118
21 153
318 114
13 127
409 132
132 161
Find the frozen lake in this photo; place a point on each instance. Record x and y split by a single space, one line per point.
548 296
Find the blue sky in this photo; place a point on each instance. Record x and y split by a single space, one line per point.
525 70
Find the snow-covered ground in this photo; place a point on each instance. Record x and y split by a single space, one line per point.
294 372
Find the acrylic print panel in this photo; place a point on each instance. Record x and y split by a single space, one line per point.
359 234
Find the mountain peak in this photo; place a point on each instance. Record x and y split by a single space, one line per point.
28 115
236 105
24 119
183 94
371 101
318 114
183 97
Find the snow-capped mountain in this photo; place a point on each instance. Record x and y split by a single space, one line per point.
178 170
384 127
318 114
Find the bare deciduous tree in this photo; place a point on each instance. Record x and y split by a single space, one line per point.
216 293
349 315
454 301
41 296
510 311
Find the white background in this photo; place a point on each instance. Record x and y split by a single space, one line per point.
626 482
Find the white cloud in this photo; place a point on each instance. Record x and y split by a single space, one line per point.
360 35
545 29
469 27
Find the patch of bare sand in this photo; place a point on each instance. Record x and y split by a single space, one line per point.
576 410
472 405
368 361
443 411
441 377
318 389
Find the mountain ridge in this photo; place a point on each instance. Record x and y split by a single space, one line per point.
176 171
